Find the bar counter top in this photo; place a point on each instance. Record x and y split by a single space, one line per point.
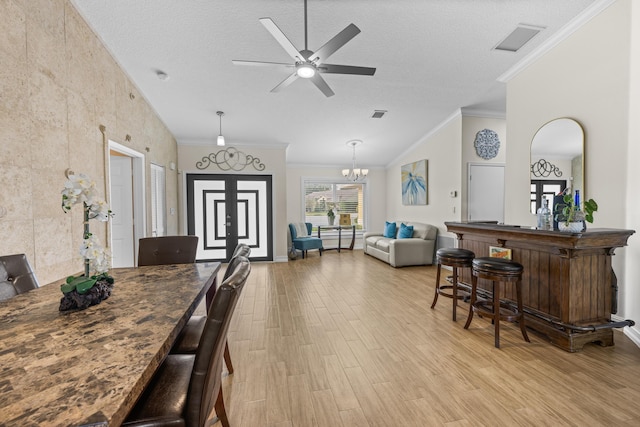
88 367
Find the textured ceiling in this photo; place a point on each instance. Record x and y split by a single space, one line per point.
432 58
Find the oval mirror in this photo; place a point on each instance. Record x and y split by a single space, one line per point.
557 161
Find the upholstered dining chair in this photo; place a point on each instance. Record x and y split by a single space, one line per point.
167 250
189 338
187 387
16 276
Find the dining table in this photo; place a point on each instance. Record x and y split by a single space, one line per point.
88 367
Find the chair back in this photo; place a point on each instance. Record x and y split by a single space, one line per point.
206 377
16 276
232 266
167 250
242 249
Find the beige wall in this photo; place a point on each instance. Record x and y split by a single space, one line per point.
587 77
58 85
274 160
443 150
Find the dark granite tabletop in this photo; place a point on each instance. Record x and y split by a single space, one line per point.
83 367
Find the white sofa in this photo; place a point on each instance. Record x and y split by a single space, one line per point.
417 250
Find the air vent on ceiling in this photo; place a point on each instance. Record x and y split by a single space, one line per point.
377 114
518 37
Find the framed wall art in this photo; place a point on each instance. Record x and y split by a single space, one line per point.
414 183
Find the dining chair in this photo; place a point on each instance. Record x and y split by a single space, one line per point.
189 338
16 276
167 250
186 387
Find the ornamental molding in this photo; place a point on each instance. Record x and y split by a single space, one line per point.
230 159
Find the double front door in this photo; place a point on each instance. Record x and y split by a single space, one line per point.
224 210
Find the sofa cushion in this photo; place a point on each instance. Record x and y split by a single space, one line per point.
389 229
383 244
406 231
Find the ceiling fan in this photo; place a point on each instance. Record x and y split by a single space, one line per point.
308 64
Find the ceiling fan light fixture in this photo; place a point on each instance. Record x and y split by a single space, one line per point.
305 70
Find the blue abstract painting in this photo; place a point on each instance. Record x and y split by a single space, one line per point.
414 183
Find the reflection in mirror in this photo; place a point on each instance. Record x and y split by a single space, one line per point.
557 161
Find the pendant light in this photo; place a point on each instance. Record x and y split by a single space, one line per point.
220 137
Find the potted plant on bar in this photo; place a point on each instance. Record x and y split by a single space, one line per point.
87 289
571 218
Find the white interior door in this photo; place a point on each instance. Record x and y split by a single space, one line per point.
122 230
485 200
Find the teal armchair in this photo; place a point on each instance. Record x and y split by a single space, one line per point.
305 243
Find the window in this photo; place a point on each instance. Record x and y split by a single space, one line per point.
158 197
344 198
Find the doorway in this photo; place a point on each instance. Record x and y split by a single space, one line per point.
224 210
485 200
126 191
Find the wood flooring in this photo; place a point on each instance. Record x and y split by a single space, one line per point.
346 340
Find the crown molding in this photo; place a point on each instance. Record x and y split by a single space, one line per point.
564 32
486 114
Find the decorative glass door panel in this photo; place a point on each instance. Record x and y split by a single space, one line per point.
224 210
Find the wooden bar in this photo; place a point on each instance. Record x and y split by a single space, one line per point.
89 367
567 279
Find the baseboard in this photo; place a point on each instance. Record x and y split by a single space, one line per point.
631 331
282 259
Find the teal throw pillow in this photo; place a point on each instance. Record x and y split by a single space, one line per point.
389 230
406 231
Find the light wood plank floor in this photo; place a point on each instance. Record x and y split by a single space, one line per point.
346 340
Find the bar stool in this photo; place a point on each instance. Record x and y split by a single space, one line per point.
497 270
455 258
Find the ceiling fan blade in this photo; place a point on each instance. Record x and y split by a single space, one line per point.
339 40
286 82
259 63
322 85
282 39
346 69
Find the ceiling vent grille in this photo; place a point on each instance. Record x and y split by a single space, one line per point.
377 114
518 38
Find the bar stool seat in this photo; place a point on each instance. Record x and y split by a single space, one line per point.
501 271
455 258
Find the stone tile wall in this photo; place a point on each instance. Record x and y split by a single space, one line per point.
58 85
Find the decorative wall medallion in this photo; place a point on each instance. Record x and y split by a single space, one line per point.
487 144
230 159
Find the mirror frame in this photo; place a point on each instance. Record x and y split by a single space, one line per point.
549 133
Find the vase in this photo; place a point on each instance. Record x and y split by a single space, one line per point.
572 227
331 219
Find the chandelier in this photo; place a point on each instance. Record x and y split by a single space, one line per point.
354 173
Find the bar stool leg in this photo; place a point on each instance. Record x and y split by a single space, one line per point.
435 298
496 312
474 284
522 325
455 292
